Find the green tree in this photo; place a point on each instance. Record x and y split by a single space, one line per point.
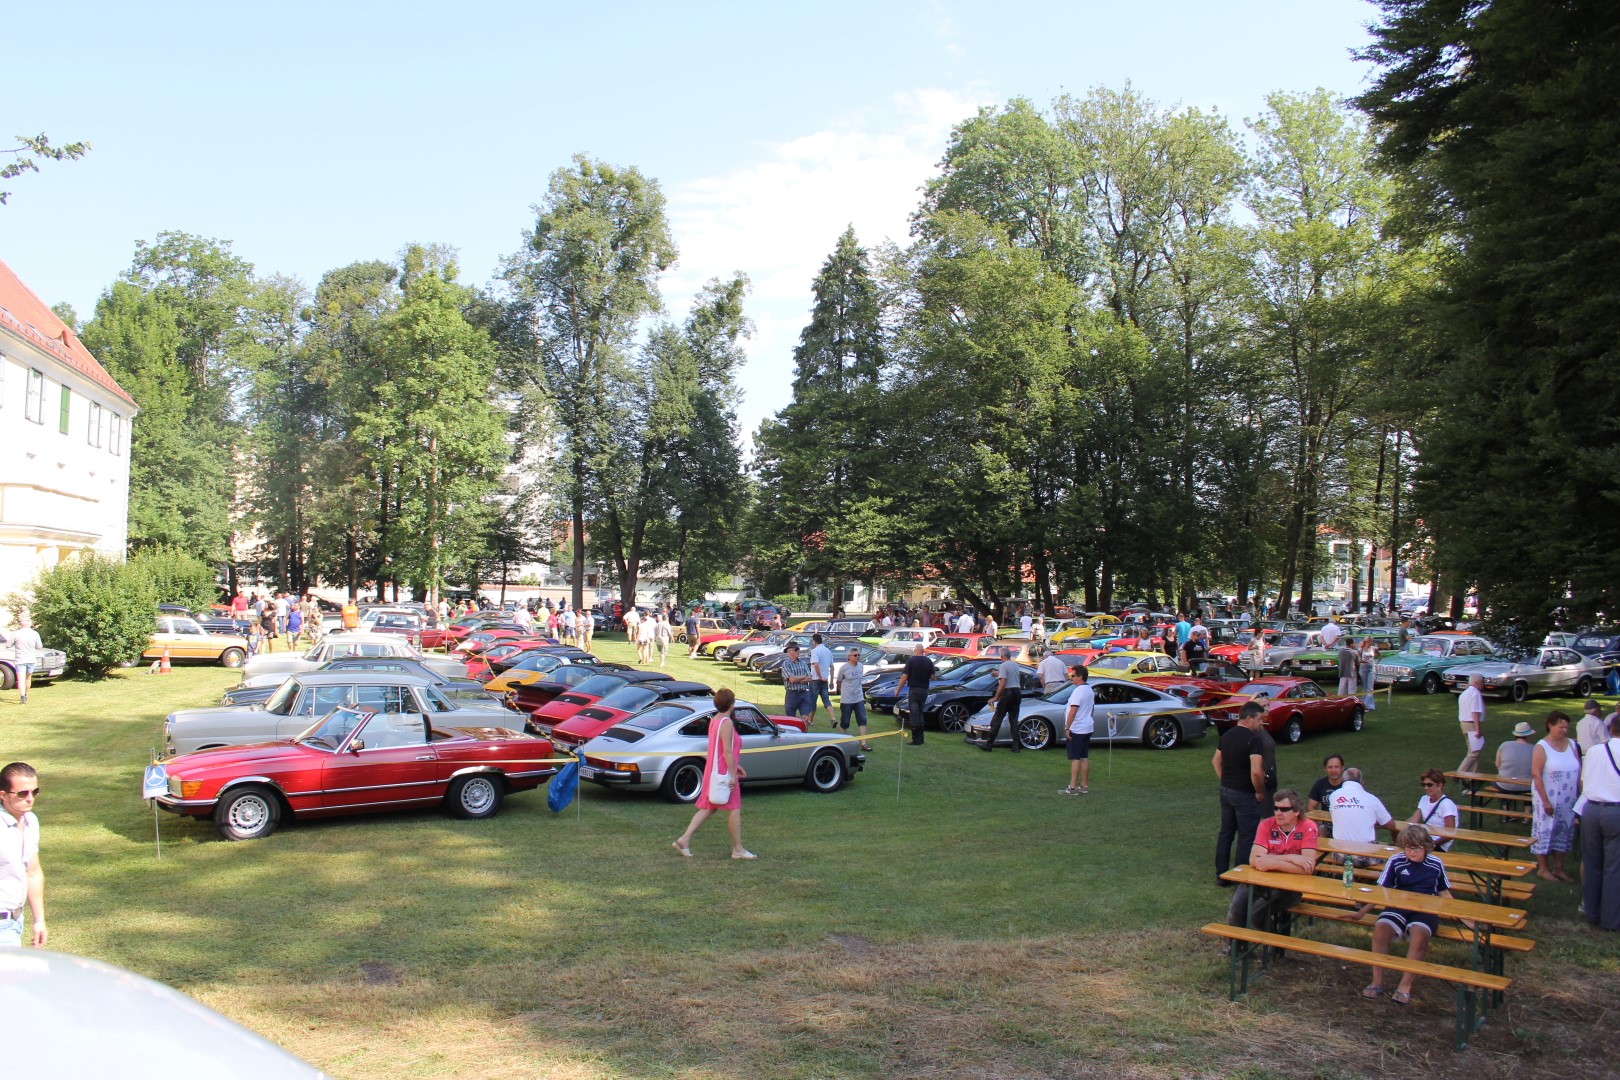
97 609
176 577
27 145
585 278
1496 117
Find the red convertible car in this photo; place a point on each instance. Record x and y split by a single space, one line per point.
1294 706
355 761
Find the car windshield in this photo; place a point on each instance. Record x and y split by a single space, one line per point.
981 682
1592 641
1293 641
330 730
281 701
1265 691
953 643
1114 662
1425 646
657 719
599 685
629 698
541 662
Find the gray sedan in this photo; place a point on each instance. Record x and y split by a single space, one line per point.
1126 712
298 701
1548 670
663 750
466 693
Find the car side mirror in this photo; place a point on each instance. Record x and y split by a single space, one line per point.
356 745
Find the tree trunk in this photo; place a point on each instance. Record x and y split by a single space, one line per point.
1395 521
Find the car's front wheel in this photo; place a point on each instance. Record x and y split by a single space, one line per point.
1034 733
247 813
1358 717
8 677
1431 683
1521 691
682 781
827 772
1162 733
1584 687
953 717
476 796
232 658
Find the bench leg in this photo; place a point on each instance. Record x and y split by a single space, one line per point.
1470 1016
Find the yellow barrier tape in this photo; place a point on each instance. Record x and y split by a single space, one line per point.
831 740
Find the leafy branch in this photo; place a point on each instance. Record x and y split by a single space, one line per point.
39 145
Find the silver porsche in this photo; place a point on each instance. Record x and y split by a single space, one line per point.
663 750
1127 712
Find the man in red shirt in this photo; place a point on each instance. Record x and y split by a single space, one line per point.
1284 844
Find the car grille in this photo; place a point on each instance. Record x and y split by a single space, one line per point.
1390 670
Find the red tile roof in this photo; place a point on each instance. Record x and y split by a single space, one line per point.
26 316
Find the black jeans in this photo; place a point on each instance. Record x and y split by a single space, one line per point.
1240 819
1007 705
915 719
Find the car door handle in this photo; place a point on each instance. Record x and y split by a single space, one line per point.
424 757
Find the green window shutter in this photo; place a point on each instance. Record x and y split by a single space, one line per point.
67 403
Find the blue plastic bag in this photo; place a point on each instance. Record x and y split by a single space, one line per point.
563 787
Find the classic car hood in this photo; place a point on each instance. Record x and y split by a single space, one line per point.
218 712
281 663
1492 667
233 759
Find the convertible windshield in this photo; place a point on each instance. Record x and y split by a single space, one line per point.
330 730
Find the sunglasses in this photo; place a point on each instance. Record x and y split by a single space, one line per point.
1430 783
1285 809
25 793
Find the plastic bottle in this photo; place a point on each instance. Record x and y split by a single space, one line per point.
1349 872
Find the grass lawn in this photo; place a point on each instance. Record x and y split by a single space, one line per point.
965 921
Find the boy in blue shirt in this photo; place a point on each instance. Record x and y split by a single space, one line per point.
1416 870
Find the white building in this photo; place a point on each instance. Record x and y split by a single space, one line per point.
64 442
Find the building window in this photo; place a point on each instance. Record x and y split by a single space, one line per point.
34 406
96 428
115 437
67 403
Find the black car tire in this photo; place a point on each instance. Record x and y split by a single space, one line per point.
8 677
1286 668
250 812
1584 687
953 717
827 772
1431 683
1294 730
477 795
681 638
1521 691
1161 733
682 781
232 658
1034 733
1358 718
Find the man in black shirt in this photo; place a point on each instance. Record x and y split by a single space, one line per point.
1239 763
1323 789
914 680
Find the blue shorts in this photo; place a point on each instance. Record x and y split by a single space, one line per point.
818 692
11 931
801 702
1079 746
26 669
856 707
1403 921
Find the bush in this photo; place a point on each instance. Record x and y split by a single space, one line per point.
176 577
791 601
96 609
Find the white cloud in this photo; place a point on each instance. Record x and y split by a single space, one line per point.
777 219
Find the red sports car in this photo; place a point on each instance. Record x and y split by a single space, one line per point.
625 702
355 761
1294 706
1233 651
589 692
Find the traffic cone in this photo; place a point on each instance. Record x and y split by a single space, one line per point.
163 663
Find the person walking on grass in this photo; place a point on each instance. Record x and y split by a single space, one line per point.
851 696
692 636
821 673
722 779
662 635
1078 723
1555 772
1008 700
1471 717
1415 869
26 647
915 678
801 701
22 881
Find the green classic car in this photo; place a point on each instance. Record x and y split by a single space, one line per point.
1324 663
1421 664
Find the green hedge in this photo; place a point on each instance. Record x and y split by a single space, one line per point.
791 601
97 609
176 577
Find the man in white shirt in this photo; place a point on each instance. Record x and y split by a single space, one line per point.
1331 633
851 695
821 674
1598 809
1357 813
22 882
1471 715
632 622
1052 672
522 617
964 625
1593 730
1078 723
1025 622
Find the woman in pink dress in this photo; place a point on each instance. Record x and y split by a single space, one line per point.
725 748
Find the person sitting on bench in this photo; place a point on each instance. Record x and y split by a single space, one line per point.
1285 844
1417 870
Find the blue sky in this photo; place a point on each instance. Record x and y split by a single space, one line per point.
313 135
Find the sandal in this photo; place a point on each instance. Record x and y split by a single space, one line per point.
678 846
1400 997
1372 992
866 746
743 855
1069 791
